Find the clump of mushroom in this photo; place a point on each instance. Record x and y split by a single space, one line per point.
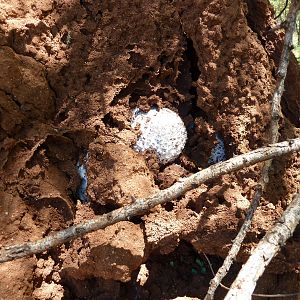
162 131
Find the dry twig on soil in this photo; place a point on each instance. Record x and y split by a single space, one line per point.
276 237
142 206
286 295
276 114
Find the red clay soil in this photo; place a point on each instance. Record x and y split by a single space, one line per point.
71 74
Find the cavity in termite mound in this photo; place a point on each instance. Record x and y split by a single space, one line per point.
162 131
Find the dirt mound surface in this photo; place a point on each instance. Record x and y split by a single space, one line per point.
71 74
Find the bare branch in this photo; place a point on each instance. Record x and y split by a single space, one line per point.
244 284
282 68
284 8
276 114
142 206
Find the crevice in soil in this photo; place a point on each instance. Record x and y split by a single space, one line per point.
190 112
100 209
134 90
169 206
109 121
136 220
191 55
13 98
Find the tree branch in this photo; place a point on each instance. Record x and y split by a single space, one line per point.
282 69
142 206
244 284
276 114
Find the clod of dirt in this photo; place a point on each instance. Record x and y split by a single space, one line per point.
113 253
162 131
142 275
170 175
24 90
117 175
163 229
47 291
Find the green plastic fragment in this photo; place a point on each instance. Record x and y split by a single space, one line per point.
172 264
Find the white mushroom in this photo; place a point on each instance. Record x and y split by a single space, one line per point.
162 131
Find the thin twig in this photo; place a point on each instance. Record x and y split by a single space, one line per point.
142 206
276 237
276 115
284 8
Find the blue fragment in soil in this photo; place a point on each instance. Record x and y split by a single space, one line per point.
81 191
218 153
